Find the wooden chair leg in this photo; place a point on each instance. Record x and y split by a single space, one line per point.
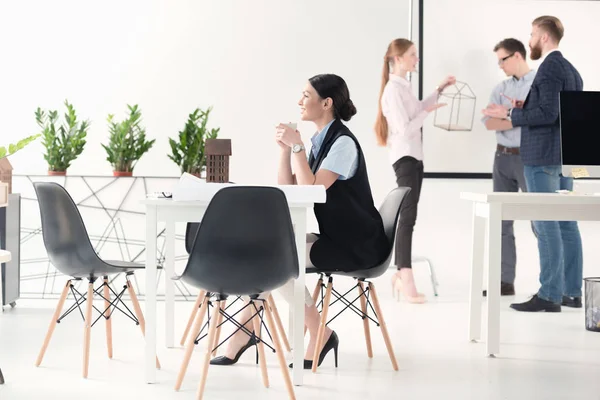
219 322
53 322
138 313
108 318
317 290
201 296
363 306
383 326
322 325
279 351
275 312
190 343
87 330
212 333
261 346
315 296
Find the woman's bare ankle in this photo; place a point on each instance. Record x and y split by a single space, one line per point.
408 282
310 349
235 343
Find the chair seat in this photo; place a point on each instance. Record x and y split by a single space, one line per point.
368 273
128 265
113 267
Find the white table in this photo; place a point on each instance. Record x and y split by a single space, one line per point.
300 199
489 210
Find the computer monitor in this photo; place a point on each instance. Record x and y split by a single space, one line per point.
580 133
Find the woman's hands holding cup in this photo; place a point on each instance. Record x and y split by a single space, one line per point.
286 135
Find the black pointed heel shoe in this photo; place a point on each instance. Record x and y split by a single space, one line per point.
222 360
332 343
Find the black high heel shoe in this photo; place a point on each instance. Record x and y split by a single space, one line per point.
222 360
332 343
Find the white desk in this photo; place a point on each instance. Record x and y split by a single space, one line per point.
488 212
300 199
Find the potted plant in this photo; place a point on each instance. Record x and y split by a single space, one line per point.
65 144
188 152
127 142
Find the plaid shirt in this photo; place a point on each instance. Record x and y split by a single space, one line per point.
538 119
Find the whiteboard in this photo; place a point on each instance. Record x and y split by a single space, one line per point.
459 37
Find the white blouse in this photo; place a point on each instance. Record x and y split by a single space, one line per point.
405 115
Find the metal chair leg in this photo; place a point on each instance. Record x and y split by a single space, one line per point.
434 281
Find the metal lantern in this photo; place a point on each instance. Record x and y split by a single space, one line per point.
458 115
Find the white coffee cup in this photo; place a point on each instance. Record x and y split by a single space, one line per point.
292 125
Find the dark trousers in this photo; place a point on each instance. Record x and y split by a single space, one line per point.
508 176
409 173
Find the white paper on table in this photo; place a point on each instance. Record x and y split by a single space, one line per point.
191 188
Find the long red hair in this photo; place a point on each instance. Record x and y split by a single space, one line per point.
396 48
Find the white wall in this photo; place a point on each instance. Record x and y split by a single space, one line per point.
248 59
459 36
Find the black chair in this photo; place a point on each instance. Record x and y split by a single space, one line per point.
244 246
71 252
191 230
390 213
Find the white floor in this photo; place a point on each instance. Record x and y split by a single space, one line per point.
543 356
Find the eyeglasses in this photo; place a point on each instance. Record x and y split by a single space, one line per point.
501 61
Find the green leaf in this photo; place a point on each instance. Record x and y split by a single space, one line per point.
127 140
63 143
188 151
13 148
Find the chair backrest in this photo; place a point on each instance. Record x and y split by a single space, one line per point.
64 234
191 229
245 244
390 211
390 214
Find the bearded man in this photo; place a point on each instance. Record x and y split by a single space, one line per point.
559 243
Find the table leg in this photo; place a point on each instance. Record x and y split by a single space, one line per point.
150 358
297 340
169 272
494 244
477 262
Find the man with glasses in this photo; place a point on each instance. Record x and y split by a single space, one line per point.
508 174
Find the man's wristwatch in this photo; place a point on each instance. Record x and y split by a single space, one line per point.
297 148
509 114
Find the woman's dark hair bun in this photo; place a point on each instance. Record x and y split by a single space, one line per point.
334 87
347 110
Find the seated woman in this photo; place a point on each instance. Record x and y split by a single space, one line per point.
351 230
